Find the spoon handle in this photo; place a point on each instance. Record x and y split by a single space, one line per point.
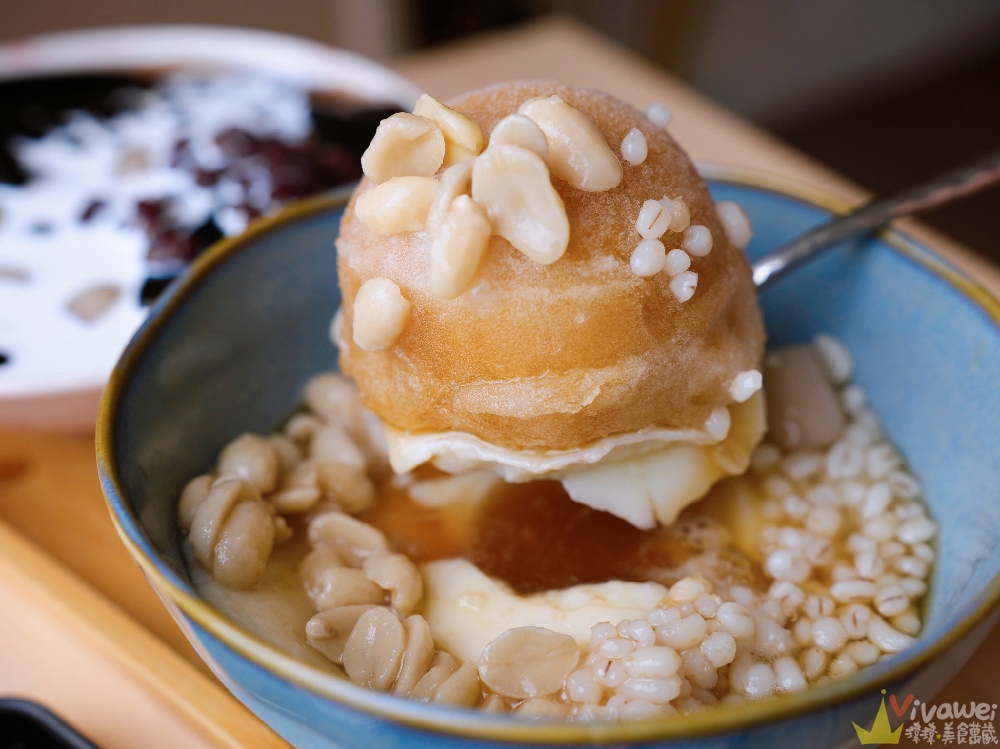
938 191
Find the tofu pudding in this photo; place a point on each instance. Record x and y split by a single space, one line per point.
637 513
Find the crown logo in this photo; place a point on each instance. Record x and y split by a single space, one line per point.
881 732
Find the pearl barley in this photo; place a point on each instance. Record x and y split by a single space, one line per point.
648 258
745 384
653 220
658 114
677 262
735 222
634 149
697 240
683 285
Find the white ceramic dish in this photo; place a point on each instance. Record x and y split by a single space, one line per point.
67 396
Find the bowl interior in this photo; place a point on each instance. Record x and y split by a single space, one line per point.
230 358
928 357
230 350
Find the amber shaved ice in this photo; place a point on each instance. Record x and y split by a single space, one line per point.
553 357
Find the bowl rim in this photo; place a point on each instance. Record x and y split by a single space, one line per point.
308 63
469 723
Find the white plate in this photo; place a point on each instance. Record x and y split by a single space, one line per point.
79 358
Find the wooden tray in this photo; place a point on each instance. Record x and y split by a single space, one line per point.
81 630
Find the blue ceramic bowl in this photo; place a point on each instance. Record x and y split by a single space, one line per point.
229 349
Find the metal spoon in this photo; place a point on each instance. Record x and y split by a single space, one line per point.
943 189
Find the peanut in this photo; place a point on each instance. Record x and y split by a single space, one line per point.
398 205
192 496
404 145
295 499
518 130
327 632
335 398
429 684
380 314
354 540
332 444
373 652
528 662
330 585
512 184
578 152
251 458
244 545
346 485
398 575
211 515
458 248
455 181
417 656
461 688
463 138
288 452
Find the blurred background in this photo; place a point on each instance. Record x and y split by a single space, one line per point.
888 92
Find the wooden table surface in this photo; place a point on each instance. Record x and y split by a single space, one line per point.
81 629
